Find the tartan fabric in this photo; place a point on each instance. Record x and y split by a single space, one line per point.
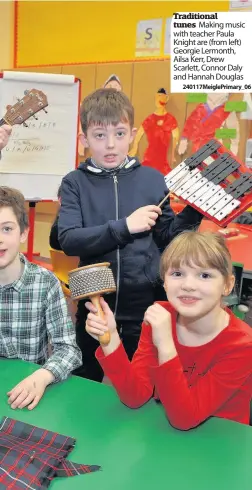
33 311
30 457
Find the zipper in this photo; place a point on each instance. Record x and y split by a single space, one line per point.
118 249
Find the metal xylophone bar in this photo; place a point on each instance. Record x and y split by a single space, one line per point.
215 173
227 205
216 194
190 164
187 171
214 176
201 182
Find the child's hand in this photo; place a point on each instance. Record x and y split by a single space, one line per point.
97 326
143 219
29 391
5 132
160 320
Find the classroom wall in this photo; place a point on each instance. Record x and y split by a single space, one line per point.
92 38
89 31
7 31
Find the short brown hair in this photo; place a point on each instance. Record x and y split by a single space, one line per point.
12 198
203 249
106 106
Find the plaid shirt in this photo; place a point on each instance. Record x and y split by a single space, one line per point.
33 311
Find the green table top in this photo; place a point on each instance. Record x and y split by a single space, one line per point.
137 449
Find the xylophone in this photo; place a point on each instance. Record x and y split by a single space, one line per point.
202 182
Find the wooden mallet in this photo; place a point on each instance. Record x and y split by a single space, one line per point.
167 195
93 281
163 200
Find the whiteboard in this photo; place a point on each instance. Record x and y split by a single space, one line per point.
38 156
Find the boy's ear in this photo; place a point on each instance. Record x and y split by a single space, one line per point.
133 134
83 140
24 235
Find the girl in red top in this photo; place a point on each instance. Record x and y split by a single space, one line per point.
193 351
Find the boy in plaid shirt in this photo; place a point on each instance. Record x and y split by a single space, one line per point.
33 310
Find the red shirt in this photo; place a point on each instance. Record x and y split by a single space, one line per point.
202 123
158 130
214 379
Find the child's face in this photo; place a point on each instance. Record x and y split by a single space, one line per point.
194 292
10 237
109 145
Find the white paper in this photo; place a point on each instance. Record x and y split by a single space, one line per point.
37 157
47 145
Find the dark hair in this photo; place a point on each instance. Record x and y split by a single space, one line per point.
106 106
59 192
12 198
162 91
